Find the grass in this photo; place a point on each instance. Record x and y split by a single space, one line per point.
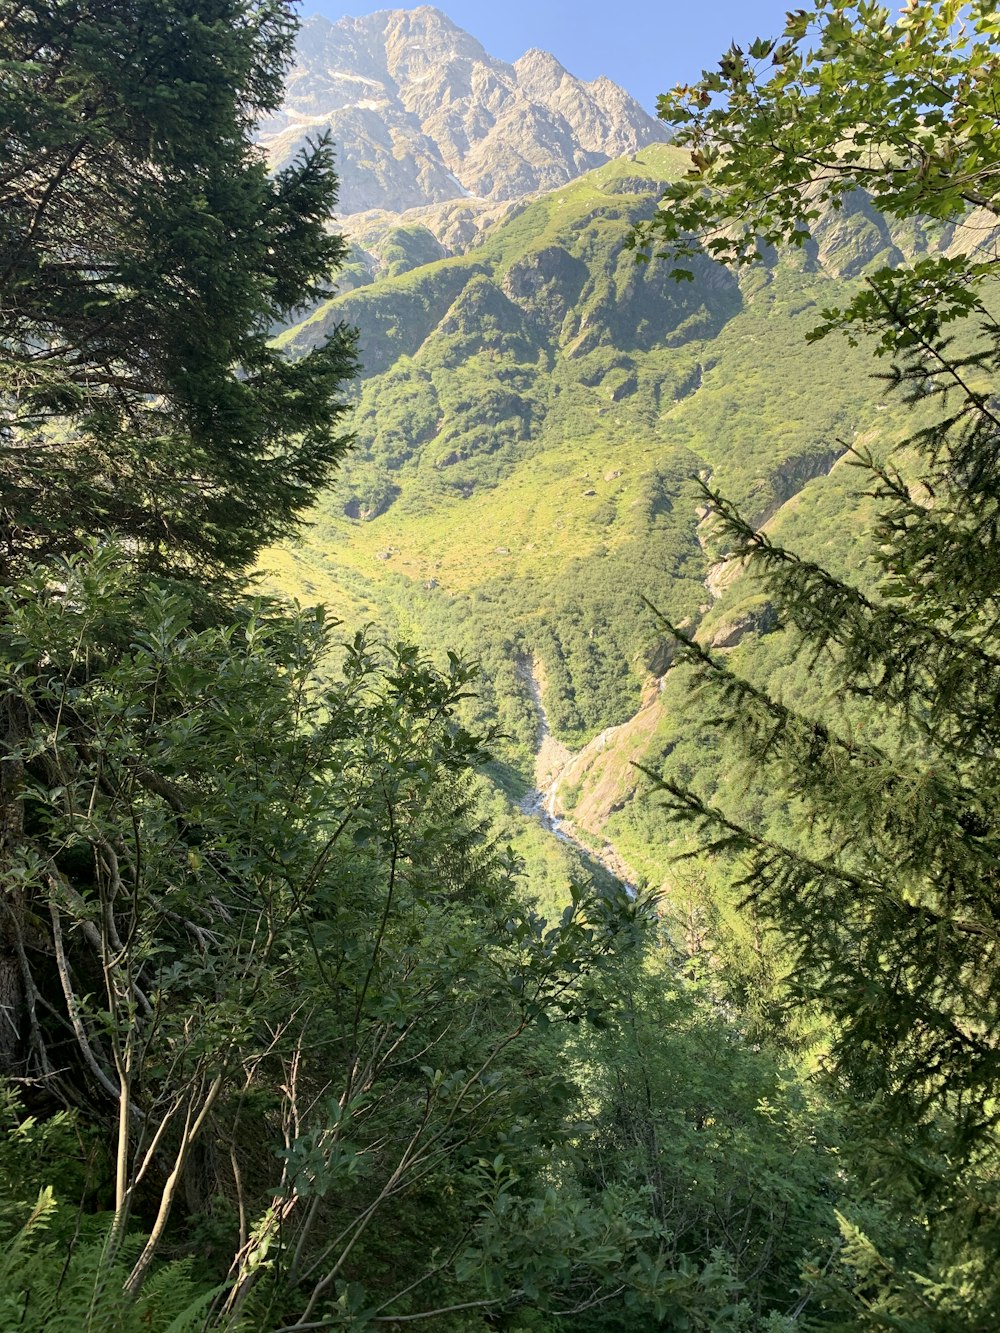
532 415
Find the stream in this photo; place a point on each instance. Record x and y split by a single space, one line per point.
553 762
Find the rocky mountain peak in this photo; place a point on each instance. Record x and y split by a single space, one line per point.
417 39
421 114
539 72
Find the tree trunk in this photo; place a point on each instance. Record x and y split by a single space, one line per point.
12 905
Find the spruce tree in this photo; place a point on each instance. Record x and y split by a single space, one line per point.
884 883
146 257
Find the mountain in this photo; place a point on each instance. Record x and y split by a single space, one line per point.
531 419
420 114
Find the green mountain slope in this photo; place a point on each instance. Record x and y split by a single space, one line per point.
532 417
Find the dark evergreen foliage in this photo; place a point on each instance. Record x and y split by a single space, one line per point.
318 1063
883 882
145 255
276 1023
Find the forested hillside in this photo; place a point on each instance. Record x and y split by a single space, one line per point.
307 1020
533 417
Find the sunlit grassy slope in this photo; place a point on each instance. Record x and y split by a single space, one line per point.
531 421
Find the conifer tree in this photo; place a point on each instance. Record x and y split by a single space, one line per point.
146 256
887 893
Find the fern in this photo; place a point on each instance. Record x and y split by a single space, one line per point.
62 1270
54 1286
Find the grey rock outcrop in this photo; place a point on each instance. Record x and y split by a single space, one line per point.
421 114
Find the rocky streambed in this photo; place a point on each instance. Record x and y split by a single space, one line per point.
602 770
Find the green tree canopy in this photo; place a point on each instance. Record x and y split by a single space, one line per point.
848 97
884 883
145 256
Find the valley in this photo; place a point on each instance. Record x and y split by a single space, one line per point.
602 767
498 788
533 416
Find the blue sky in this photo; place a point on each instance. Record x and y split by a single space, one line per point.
645 45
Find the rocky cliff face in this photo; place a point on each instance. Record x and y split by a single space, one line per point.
421 114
